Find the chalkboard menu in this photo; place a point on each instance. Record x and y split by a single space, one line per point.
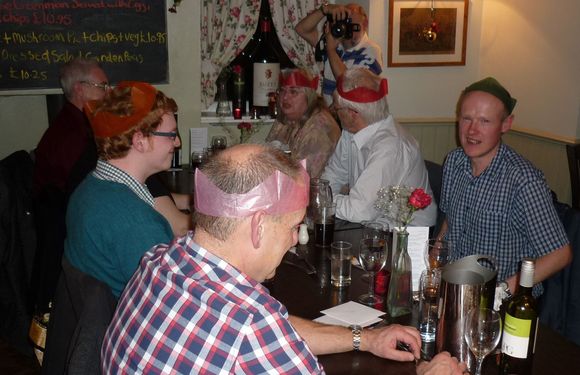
128 38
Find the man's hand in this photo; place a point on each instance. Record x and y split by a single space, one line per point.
382 342
338 12
442 364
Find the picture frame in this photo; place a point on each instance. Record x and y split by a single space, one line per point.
427 32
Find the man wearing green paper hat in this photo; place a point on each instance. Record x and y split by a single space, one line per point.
495 201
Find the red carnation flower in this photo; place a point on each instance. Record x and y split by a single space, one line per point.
419 199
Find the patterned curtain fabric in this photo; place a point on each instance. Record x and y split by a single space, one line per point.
285 15
226 28
228 25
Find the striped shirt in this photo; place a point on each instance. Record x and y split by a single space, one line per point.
506 212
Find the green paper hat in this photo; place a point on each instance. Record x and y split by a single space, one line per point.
493 87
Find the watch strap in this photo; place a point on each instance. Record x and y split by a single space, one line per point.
356 337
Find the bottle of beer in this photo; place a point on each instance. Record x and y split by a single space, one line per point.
520 326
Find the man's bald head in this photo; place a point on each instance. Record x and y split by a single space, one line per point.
237 170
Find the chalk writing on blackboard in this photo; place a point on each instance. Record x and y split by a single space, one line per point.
128 37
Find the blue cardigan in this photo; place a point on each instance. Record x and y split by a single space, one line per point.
109 228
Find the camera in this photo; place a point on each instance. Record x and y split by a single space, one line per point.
342 28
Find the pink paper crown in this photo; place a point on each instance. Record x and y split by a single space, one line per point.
276 195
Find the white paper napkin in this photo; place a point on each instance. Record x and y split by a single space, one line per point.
351 313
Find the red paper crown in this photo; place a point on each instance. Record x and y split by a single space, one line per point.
296 78
106 124
363 94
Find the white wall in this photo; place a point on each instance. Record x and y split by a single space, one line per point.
534 47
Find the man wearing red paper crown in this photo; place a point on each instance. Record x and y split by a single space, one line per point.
204 291
304 125
373 151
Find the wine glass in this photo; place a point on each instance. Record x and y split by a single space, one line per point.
218 143
437 253
372 230
372 257
482 333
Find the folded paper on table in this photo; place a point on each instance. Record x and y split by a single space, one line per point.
417 241
325 319
354 313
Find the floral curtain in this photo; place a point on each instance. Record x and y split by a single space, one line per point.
285 15
226 28
228 25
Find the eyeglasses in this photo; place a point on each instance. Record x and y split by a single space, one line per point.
171 135
103 85
290 91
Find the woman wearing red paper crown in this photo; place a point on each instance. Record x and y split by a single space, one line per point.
304 125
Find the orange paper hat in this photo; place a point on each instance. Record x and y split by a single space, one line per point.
106 124
296 78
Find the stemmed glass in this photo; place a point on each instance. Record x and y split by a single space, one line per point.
482 333
437 253
372 230
218 143
372 257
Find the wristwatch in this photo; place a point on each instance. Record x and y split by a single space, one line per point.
323 6
356 335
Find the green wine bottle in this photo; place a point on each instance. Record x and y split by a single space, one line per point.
520 326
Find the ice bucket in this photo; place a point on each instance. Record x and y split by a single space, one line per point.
466 283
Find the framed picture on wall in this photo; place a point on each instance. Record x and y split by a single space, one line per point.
427 32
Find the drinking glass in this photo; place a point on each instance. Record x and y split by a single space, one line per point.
198 159
218 143
372 230
320 195
437 253
482 333
372 257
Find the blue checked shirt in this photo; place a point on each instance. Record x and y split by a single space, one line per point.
506 212
186 311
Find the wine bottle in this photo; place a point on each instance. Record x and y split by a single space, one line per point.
520 326
266 69
263 48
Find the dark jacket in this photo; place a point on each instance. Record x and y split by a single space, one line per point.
17 249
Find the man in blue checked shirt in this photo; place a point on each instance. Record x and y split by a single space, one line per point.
197 306
496 202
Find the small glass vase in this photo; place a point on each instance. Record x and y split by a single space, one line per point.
223 108
399 297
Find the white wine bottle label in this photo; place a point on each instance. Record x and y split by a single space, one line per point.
516 336
266 76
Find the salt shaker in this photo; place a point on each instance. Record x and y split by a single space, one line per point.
303 234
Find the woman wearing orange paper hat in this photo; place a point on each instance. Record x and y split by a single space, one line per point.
304 125
111 219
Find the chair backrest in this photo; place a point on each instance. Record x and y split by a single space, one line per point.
560 303
573 152
83 308
435 172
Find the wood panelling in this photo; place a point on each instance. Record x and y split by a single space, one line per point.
438 138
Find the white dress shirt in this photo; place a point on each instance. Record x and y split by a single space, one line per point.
382 154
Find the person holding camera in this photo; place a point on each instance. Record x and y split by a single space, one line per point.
344 43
